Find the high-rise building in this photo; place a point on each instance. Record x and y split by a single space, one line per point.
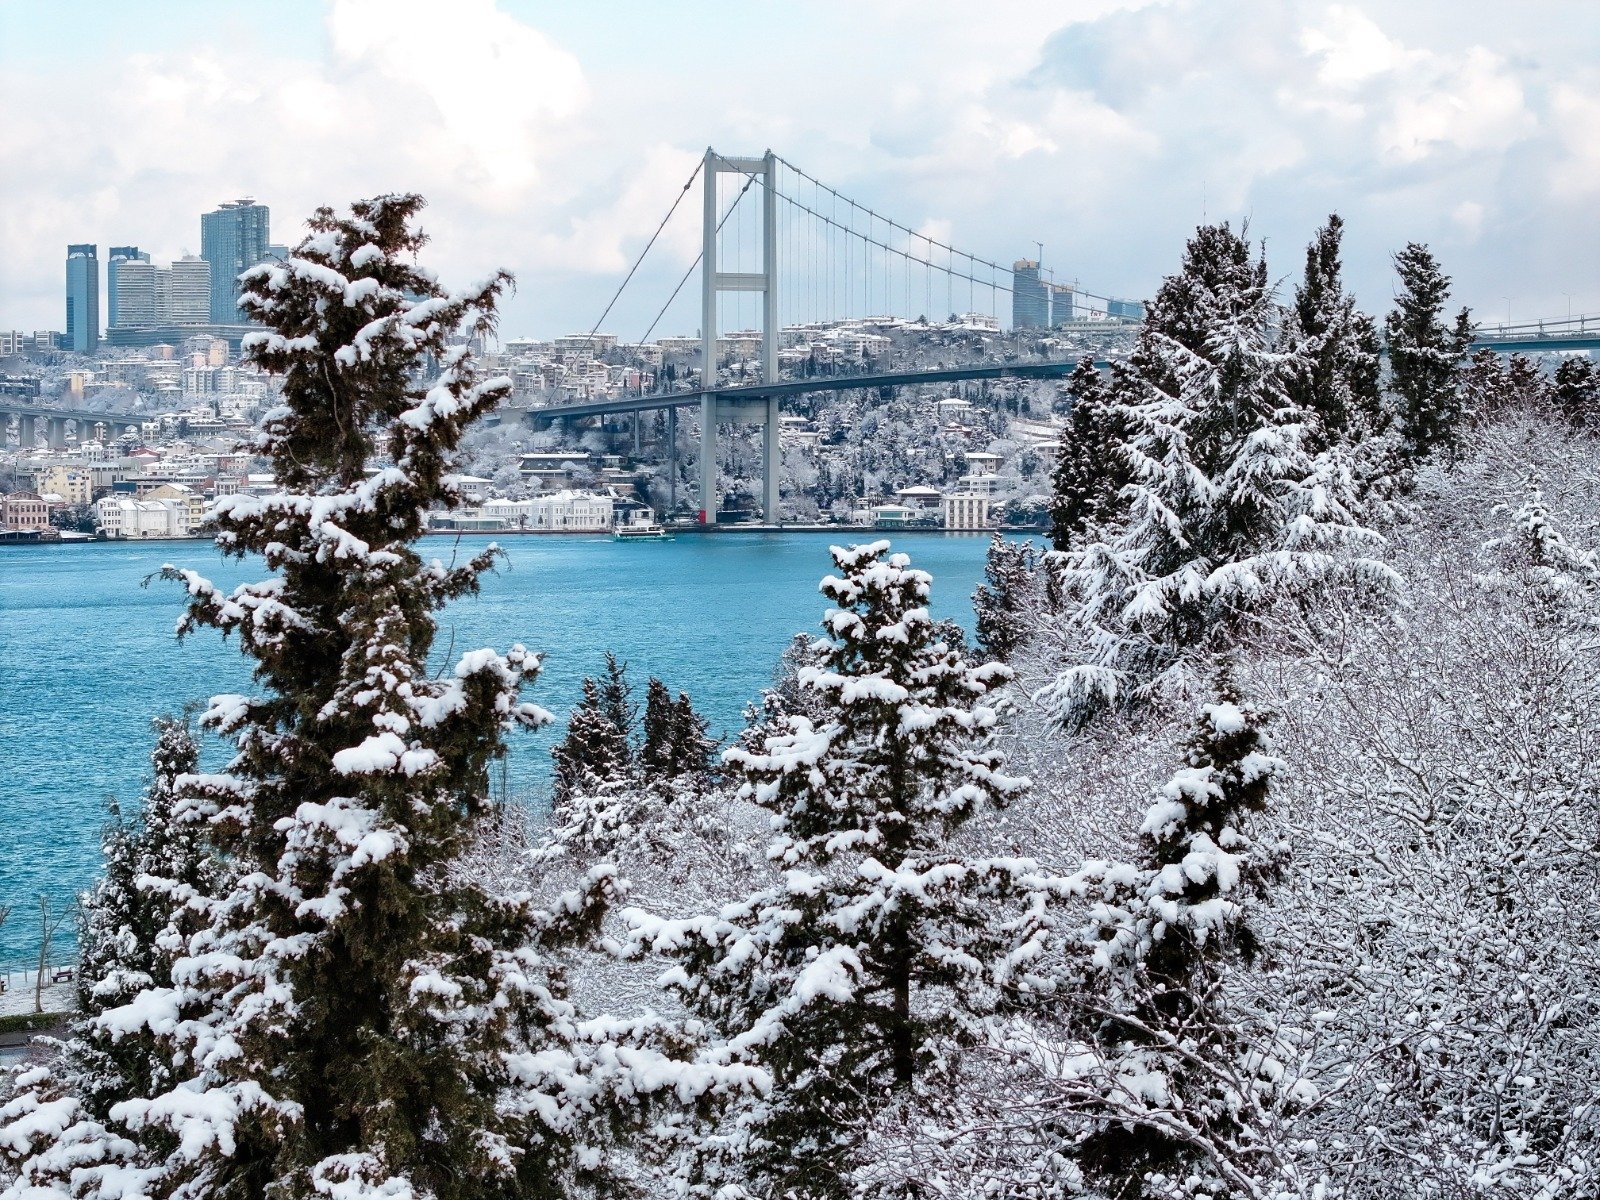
115 258
83 298
190 294
131 289
1128 310
1030 300
1063 303
232 239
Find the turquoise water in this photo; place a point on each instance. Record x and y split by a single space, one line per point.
87 658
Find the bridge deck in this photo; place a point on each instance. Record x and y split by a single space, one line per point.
1020 370
819 383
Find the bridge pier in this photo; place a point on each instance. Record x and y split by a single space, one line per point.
27 432
771 460
714 281
672 459
708 457
55 433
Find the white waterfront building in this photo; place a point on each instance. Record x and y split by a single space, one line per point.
124 517
558 512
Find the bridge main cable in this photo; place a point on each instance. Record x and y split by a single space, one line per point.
892 223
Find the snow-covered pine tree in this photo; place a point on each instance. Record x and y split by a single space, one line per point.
1425 354
656 746
676 738
1002 605
876 940
595 752
692 743
1576 392
1562 580
354 1015
54 1133
1091 468
1182 1097
154 864
1338 386
1528 388
1482 388
1227 512
616 700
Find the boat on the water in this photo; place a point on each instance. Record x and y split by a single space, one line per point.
641 532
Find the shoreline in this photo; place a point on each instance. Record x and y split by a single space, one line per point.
692 530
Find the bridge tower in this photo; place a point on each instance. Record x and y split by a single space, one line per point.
761 411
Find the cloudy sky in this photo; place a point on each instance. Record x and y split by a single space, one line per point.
550 137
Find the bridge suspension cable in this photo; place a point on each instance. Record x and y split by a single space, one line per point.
830 220
636 262
698 258
975 260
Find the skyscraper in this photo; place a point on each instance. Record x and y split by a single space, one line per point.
116 258
231 239
131 289
191 293
83 298
1063 302
1030 301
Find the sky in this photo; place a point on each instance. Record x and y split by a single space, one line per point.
551 137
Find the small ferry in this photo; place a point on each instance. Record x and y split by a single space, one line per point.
641 531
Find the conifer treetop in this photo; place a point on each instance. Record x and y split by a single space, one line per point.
887 764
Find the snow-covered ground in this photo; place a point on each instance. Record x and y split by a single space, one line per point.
18 996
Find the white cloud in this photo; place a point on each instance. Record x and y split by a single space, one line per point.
495 85
1469 105
1103 128
1350 48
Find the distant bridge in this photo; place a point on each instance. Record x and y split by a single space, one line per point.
736 394
1563 333
842 258
56 420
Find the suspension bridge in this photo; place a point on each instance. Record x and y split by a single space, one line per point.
785 256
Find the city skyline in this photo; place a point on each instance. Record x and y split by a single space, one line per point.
1107 131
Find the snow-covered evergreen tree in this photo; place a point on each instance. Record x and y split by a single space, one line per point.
155 864
1180 1095
1337 386
1228 512
1425 354
876 941
595 752
1560 578
692 743
676 738
1483 391
1576 392
616 700
1091 467
1003 604
158 871
660 727
353 1015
